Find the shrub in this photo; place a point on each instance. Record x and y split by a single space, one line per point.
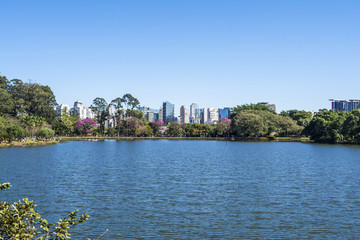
15 132
21 221
45 133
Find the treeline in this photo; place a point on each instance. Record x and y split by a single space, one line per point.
328 126
28 109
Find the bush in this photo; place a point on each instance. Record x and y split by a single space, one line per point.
21 221
45 133
15 132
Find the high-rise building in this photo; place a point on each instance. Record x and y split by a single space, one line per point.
224 113
269 105
168 112
83 112
184 114
197 118
63 109
204 115
193 108
213 115
344 105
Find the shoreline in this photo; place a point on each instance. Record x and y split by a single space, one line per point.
29 144
258 139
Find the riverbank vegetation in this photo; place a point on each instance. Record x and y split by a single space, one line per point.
27 111
20 220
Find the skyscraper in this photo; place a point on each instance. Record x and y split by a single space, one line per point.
184 114
192 112
168 112
224 113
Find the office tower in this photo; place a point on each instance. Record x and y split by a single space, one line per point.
184 114
224 113
193 108
213 115
168 112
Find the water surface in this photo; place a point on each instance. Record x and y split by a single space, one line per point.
167 189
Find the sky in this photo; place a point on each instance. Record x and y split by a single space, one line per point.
223 53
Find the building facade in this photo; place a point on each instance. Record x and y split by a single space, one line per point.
168 112
184 114
193 108
344 105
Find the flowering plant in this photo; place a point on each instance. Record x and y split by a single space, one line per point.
86 125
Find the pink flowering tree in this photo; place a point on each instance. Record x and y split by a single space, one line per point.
85 126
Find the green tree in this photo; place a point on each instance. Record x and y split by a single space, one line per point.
6 102
174 129
15 132
110 131
117 103
20 220
130 102
45 133
100 106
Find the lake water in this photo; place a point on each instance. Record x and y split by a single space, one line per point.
164 189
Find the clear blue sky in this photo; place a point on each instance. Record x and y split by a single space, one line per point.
296 54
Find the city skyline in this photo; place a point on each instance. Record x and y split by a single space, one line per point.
293 54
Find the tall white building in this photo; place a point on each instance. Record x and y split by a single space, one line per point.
63 109
193 108
161 112
213 115
204 115
184 114
84 112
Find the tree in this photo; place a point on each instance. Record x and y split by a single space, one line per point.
246 107
117 103
15 132
85 126
223 127
21 221
6 102
130 101
100 106
174 129
32 123
45 133
110 131
64 125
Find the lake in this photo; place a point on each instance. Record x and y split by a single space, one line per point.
163 189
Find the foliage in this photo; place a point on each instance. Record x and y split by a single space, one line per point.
330 126
255 123
15 132
223 127
85 126
17 97
302 118
130 102
64 125
101 108
21 221
110 131
175 129
45 133
246 107
32 123
157 127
